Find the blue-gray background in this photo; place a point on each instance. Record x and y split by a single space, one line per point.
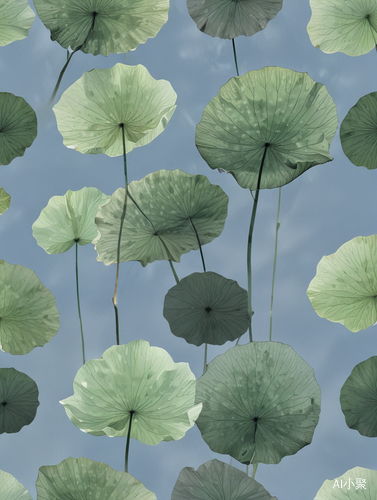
327 206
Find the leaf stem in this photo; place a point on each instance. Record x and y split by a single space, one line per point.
78 304
205 358
200 246
275 256
255 467
174 273
128 442
61 75
235 56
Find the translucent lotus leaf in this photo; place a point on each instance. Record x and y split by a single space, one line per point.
358 132
4 200
216 480
134 380
84 479
91 112
28 314
339 26
358 398
229 18
11 489
261 402
18 127
68 219
206 308
355 484
16 18
18 401
172 202
344 289
102 26
275 113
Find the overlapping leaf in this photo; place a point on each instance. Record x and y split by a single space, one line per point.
355 484
11 489
4 200
16 19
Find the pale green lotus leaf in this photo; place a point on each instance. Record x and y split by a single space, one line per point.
84 479
18 401
18 127
344 289
11 489
16 19
28 313
261 402
274 114
92 112
4 200
68 219
229 18
348 26
355 484
160 225
134 380
358 132
207 308
216 480
358 398
102 26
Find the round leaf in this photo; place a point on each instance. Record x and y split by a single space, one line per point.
91 112
261 402
344 289
11 489
206 307
355 484
273 112
4 201
170 204
16 19
28 314
18 401
139 380
68 219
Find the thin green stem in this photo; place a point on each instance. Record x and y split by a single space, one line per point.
61 75
235 56
247 469
200 246
255 467
205 358
250 240
174 273
78 304
128 442
275 256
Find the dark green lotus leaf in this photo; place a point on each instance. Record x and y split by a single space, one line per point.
16 19
261 402
134 380
84 479
358 132
91 112
18 127
102 26
28 314
11 489
355 484
273 112
358 398
343 26
207 308
344 289
216 480
18 401
4 200
68 219
172 202
229 19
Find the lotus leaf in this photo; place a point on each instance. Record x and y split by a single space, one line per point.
355 484
344 289
84 479
102 26
358 398
18 127
358 132
18 401
206 307
68 219
274 114
4 200
343 26
160 225
28 314
134 380
16 19
93 112
229 19
261 402
11 489
216 480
